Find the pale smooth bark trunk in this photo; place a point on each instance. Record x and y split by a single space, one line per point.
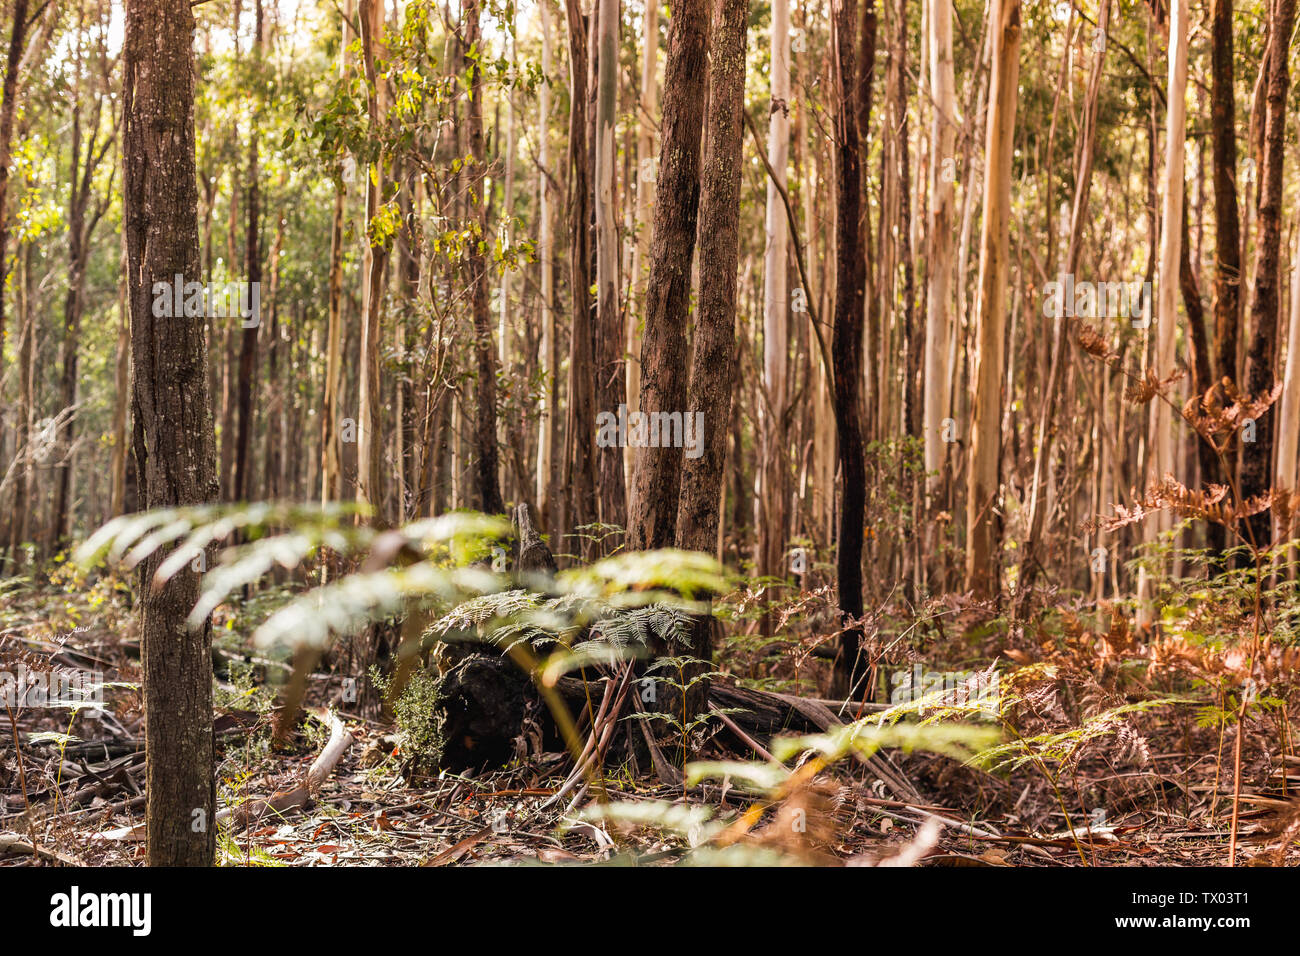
503 322
1171 234
645 156
545 252
1167 285
1288 413
943 166
982 524
770 515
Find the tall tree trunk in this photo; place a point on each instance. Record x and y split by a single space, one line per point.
983 530
911 395
610 333
369 425
546 420
712 372
1288 413
331 486
580 426
943 168
1171 234
22 508
1227 232
77 255
8 107
1202 377
273 460
851 669
657 477
243 489
770 506
122 384
487 486
229 341
1257 457
175 457
645 157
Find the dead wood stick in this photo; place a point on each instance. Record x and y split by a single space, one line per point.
602 728
666 772
14 843
743 737
340 740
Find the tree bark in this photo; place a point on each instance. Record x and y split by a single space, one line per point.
82 220
850 670
331 487
174 451
657 476
770 507
983 526
712 373
580 430
1171 234
1227 231
712 359
1257 457
1288 413
487 484
243 489
943 167
8 107
646 128
611 387
545 252
121 394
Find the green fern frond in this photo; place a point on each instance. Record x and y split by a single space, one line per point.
863 738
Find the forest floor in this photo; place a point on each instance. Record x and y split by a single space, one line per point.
1158 792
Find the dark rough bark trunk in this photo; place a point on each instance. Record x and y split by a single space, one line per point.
485 418
580 425
1257 457
243 489
712 373
8 104
21 511
868 24
1227 229
72 302
657 473
173 442
846 347
1202 377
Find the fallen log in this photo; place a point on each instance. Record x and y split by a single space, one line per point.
485 700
